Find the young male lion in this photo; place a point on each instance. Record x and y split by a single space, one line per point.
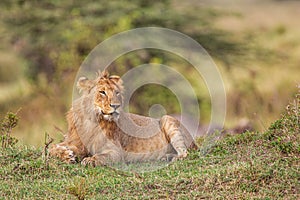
99 132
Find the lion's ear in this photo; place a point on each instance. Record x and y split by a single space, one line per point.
116 79
84 83
105 74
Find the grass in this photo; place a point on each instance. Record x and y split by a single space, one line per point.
241 167
252 165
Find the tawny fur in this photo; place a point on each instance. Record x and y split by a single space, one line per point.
100 133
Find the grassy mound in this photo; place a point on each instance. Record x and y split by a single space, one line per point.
246 166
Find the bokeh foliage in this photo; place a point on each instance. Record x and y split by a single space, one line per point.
54 37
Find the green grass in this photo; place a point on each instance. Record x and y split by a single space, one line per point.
252 165
248 166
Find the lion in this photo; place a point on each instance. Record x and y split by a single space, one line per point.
101 133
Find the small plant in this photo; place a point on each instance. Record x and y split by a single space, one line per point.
9 122
78 188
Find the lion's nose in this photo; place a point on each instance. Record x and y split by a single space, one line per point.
115 106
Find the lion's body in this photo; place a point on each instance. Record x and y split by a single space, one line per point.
100 133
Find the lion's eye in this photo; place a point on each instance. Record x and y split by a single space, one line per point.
102 92
118 93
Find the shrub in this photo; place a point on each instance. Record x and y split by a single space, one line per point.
7 124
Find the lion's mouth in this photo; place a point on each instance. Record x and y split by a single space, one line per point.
111 113
110 116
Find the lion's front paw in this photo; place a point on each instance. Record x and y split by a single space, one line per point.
63 153
91 161
181 153
95 160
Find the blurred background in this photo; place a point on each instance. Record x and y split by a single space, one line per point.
255 44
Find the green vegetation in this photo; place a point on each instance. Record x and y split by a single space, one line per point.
245 166
6 126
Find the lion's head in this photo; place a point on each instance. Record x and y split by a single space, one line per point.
106 93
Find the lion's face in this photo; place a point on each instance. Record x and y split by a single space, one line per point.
106 92
108 99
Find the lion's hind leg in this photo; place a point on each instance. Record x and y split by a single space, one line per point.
109 154
171 128
102 159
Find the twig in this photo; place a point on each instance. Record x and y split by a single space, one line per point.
59 130
48 141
